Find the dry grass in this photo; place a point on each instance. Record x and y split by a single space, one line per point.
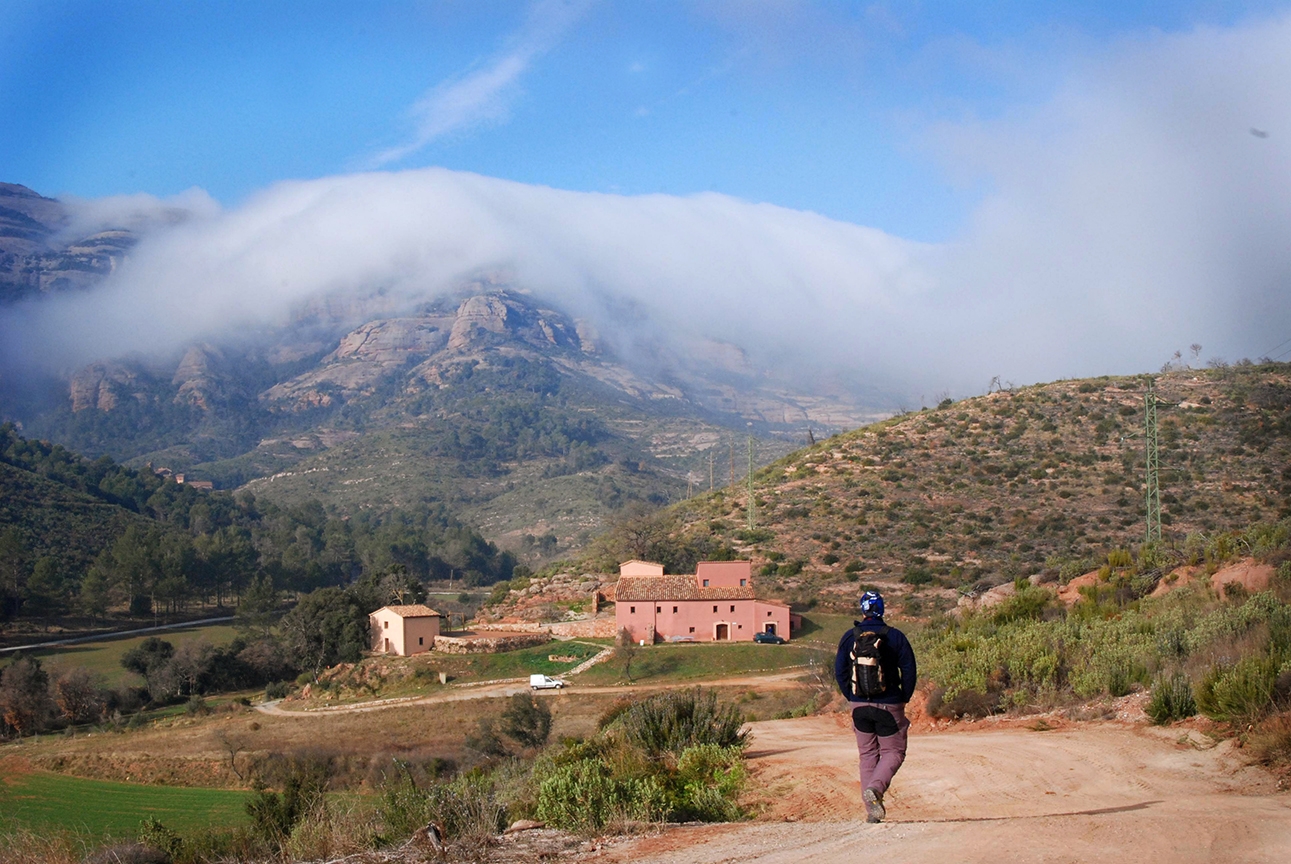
220 749
1270 743
20 845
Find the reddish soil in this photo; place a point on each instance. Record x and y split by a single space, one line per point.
1081 792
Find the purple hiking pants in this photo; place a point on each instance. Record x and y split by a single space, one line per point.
881 744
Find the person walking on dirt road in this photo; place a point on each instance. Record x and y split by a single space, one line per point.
876 671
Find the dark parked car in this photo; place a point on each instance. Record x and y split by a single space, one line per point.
769 639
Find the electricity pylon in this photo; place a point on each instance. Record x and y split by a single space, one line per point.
751 514
1152 480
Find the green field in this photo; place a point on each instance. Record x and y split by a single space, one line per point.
512 664
696 661
101 808
104 657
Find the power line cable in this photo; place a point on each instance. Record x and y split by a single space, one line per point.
1269 352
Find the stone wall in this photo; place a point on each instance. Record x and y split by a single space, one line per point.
488 644
595 628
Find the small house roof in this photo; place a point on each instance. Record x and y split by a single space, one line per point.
412 610
645 588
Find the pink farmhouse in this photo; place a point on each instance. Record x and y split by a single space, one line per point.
716 604
404 630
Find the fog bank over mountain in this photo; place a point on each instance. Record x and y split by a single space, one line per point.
1146 205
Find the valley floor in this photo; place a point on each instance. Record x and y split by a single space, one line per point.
1084 792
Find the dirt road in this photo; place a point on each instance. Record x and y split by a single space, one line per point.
1087 792
520 685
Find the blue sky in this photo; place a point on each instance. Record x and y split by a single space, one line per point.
823 107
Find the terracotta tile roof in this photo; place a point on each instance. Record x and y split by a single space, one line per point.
414 610
644 588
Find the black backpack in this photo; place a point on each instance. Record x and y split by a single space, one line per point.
868 680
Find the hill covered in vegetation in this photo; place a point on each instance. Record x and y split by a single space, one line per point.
95 538
1047 478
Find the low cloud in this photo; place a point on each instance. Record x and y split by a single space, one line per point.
140 213
1132 214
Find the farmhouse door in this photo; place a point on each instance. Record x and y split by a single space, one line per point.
771 628
723 632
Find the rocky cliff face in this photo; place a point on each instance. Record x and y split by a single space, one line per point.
102 386
36 258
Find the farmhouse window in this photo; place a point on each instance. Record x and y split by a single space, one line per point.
386 624
674 610
692 629
732 608
632 610
768 614
421 640
743 582
658 609
714 608
705 583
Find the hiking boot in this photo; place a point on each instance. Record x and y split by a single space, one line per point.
874 811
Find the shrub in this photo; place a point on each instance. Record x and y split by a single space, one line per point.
274 815
25 705
917 576
583 795
1171 699
277 690
711 779
673 721
466 808
158 837
1241 691
526 720
1028 602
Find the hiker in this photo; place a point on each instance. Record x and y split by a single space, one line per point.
875 669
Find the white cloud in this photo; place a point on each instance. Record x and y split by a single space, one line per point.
140 213
1132 214
484 94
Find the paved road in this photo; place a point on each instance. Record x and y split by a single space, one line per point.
116 634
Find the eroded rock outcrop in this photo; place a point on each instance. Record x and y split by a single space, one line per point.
101 386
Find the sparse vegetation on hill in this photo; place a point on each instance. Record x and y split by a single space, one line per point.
1038 479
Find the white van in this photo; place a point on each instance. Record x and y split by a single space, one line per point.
542 682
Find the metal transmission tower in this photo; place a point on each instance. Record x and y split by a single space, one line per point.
1151 480
751 513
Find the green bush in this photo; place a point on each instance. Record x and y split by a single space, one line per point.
710 779
1240 691
1171 699
673 721
1028 602
526 720
274 815
466 807
584 796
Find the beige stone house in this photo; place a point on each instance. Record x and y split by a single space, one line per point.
404 630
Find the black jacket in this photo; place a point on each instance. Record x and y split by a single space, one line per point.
896 657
